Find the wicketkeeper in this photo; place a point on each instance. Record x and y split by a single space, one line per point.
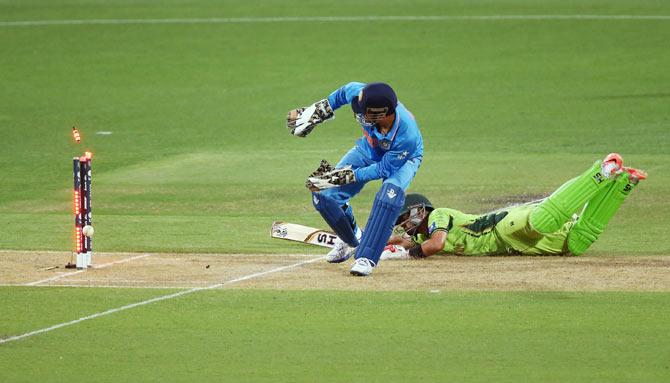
390 149
545 227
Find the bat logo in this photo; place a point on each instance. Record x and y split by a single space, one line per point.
280 231
326 238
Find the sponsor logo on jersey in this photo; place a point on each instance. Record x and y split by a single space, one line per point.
432 228
403 155
316 200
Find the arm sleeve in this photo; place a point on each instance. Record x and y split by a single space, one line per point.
439 220
345 94
389 164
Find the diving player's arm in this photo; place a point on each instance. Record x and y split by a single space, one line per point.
439 224
401 240
432 246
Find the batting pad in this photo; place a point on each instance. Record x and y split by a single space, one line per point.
385 209
598 212
552 213
336 218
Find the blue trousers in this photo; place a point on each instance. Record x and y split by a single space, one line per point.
333 204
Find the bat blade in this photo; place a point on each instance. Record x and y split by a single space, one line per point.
304 234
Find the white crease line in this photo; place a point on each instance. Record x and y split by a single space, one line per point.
9 251
157 299
101 286
127 283
83 270
238 20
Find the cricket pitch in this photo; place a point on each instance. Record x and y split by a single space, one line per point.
448 273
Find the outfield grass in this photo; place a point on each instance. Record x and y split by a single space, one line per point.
267 336
199 161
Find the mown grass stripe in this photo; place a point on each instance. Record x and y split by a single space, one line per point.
287 19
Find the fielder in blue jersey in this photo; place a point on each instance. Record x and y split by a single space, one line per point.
390 149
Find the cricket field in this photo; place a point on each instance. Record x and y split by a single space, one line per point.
183 106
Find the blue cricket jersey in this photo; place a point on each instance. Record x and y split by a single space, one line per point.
390 151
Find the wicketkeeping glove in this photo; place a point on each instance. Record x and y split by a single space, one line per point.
331 179
300 122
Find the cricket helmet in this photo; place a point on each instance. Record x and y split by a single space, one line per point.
376 100
416 208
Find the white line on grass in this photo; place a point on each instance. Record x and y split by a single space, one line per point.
10 251
288 19
98 285
81 271
157 299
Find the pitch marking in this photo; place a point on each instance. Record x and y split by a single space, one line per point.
81 271
239 20
157 299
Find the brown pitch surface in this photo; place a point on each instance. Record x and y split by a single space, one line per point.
436 273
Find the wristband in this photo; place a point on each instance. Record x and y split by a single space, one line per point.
416 252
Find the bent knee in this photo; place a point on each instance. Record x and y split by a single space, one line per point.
580 240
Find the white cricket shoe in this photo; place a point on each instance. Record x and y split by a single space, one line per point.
362 267
342 251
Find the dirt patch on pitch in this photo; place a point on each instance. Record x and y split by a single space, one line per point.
301 272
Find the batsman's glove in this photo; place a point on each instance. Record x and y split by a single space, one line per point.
394 252
331 179
300 122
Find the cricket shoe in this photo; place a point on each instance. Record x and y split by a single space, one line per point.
342 250
612 165
635 175
362 267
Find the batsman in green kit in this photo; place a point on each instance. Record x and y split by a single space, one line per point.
549 226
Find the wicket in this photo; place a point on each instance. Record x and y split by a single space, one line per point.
81 172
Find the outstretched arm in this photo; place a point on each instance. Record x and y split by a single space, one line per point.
345 94
432 246
401 240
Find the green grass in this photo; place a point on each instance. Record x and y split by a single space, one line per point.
196 112
200 161
264 336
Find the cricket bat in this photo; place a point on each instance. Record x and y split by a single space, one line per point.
305 234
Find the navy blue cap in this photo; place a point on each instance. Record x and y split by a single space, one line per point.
376 97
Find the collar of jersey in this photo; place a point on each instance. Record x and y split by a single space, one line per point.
390 136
